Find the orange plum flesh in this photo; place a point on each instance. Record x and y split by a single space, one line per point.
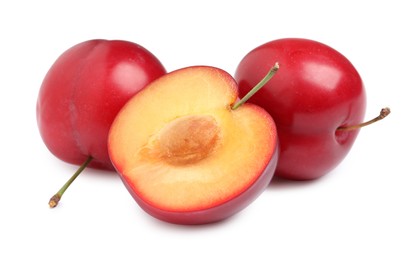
185 156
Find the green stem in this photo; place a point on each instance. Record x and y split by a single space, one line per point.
53 202
383 113
256 88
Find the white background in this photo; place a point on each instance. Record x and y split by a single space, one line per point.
367 208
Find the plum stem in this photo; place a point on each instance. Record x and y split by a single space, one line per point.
53 202
383 113
258 86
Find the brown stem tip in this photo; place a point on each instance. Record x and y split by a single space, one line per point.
384 112
53 202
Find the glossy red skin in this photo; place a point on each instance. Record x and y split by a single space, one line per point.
216 213
82 93
315 91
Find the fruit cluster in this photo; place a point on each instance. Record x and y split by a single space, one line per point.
204 153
